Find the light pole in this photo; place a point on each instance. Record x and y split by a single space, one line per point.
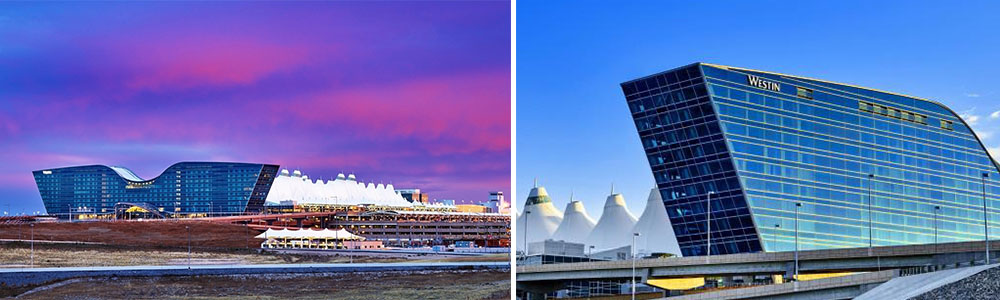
188 228
634 236
777 227
591 251
797 205
32 244
708 214
871 177
527 214
986 222
936 209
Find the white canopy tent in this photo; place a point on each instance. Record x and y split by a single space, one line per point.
344 190
542 218
656 235
576 224
614 229
340 234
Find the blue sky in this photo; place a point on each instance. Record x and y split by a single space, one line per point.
574 132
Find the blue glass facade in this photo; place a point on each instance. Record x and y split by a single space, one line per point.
829 147
183 189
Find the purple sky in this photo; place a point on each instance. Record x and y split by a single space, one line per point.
417 94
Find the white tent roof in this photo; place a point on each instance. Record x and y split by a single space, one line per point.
576 224
340 191
614 229
542 217
340 234
656 235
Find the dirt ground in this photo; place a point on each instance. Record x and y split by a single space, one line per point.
18 255
367 285
170 233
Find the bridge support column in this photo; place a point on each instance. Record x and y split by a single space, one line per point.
789 271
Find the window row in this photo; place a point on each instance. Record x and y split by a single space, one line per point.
892 112
693 171
676 97
683 135
841 120
661 80
673 117
867 156
840 116
680 154
870 146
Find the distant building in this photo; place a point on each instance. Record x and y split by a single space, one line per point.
497 203
449 202
473 208
413 195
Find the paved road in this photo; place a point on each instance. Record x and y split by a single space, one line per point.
490 264
31 276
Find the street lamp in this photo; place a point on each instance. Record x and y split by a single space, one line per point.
797 205
777 227
936 209
527 214
986 224
188 228
634 236
32 225
708 213
591 251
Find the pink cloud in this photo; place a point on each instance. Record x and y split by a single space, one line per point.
8 127
474 110
191 62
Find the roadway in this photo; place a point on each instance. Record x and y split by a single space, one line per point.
32 276
772 263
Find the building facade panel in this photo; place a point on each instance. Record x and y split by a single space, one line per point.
686 150
860 166
183 189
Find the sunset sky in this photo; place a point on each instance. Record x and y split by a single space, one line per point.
416 94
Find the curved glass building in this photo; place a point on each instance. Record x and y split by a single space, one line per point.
855 166
184 189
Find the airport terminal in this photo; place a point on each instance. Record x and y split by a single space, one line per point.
765 178
262 197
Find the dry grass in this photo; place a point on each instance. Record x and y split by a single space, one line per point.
367 285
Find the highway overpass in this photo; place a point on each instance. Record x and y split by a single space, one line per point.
910 258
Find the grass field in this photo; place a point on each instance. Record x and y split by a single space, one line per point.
365 285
